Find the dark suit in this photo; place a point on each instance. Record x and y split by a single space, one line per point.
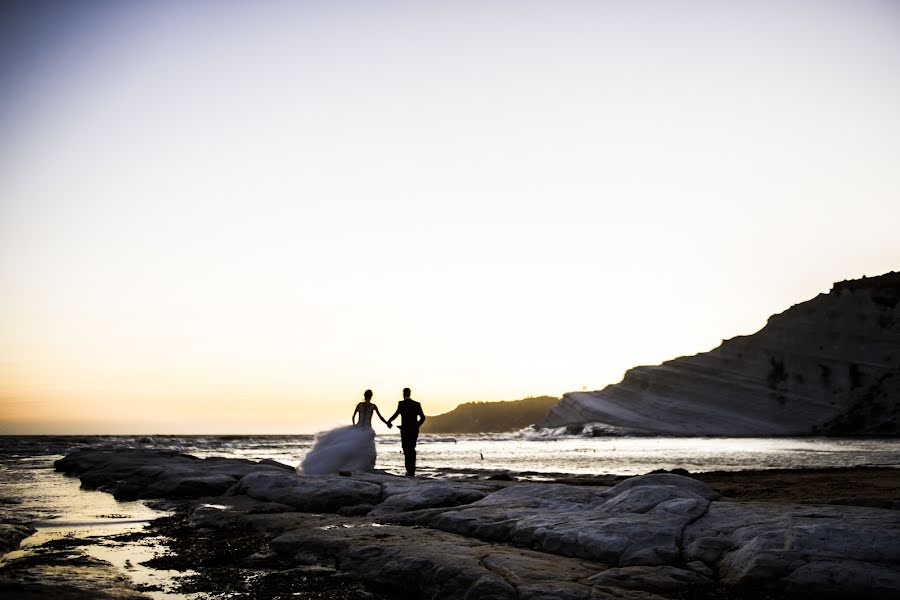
411 418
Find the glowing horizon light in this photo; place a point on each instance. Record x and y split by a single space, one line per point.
233 217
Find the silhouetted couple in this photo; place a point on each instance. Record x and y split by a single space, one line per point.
352 448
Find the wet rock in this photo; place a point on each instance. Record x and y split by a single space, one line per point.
308 492
435 564
637 522
213 517
836 540
874 502
430 494
682 483
700 568
544 495
709 549
64 575
240 504
357 510
779 544
130 474
190 485
646 537
658 498
275 463
664 579
11 534
845 578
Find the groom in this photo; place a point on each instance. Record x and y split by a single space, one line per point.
412 418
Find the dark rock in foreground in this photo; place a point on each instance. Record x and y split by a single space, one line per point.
654 536
829 366
11 534
133 474
64 575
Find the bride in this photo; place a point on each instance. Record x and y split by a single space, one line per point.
348 448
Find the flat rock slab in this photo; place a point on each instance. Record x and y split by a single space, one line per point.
132 474
428 494
309 493
834 549
438 565
638 522
663 580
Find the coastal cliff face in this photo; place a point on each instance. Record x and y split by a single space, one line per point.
828 366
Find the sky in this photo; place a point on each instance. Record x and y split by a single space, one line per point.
235 217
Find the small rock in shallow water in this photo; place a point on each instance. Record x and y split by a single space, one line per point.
11 534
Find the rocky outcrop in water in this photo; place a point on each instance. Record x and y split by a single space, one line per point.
11 533
134 474
651 537
829 366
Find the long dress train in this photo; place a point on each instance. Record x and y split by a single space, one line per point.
349 448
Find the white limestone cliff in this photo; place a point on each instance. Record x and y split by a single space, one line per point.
830 365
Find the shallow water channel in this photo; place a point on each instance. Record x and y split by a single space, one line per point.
72 524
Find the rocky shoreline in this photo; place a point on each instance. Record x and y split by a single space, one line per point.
259 530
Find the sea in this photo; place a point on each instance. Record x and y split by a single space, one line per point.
32 491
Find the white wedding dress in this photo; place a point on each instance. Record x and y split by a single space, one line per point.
350 448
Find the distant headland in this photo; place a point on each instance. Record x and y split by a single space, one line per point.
491 417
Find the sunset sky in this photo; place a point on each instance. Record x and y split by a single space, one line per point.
224 217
